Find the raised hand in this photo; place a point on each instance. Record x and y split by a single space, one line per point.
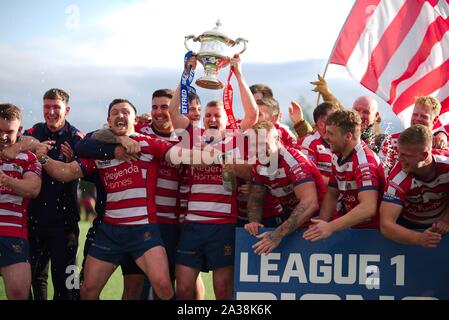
295 112
253 228
321 87
43 148
67 151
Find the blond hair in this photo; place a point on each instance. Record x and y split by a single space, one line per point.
431 103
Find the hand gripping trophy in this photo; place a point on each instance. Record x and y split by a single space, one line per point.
214 55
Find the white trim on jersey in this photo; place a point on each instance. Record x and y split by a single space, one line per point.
167 215
310 138
441 179
167 184
209 189
104 164
345 167
347 185
135 223
194 217
134 193
426 196
12 167
165 201
4 212
281 191
4 224
127 213
209 206
11 198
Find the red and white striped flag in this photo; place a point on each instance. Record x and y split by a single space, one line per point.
398 49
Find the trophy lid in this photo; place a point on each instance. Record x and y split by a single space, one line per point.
217 33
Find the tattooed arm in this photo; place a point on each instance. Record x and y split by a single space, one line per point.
255 208
306 208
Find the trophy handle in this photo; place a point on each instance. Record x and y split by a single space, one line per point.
241 40
187 38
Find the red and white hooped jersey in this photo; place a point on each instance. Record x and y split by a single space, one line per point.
360 171
13 208
130 187
208 201
321 152
167 188
285 136
293 168
423 201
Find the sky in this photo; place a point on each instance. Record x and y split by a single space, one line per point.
102 49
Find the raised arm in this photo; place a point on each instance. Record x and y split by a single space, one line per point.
179 120
250 108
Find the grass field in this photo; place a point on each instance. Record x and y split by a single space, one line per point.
114 287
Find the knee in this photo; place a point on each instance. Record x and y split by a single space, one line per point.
223 290
89 291
163 288
18 293
184 291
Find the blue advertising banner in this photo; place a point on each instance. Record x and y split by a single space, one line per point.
349 265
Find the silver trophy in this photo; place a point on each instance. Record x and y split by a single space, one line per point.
214 55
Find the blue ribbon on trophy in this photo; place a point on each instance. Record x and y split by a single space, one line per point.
186 80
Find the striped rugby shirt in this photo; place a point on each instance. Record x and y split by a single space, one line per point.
294 168
167 188
320 151
423 202
131 187
13 208
360 171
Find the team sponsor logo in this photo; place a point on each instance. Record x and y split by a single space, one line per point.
227 250
17 248
147 235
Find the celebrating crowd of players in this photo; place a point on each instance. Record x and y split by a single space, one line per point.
171 191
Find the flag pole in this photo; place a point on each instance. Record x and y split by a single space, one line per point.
333 48
324 74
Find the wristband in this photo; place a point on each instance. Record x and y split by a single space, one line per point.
44 160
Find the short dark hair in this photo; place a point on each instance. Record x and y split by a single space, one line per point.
271 104
57 94
168 93
262 88
119 100
215 103
416 135
347 121
8 111
322 109
193 96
